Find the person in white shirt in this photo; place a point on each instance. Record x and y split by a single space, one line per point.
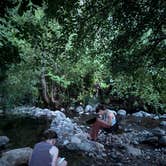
107 120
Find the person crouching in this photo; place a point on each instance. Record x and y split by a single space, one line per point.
106 121
45 153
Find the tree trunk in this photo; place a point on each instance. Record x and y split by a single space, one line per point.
53 95
44 89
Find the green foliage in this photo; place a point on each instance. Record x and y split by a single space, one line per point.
41 42
81 43
31 34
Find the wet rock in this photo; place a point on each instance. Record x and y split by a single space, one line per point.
3 141
42 112
16 156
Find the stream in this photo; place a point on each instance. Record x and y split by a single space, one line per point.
24 132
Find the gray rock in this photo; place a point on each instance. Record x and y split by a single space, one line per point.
79 109
71 108
16 156
163 123
122 112
163 116
4 163
156 117
72 136
88 108
158 132
138 114
32 111
133 151
86 146
75 139
147 114
3 140
142 114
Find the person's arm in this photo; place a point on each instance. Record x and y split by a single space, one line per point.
112 119
54 153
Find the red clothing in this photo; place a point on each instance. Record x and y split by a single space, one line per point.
107 120
99 124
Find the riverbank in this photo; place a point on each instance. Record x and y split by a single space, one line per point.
139 139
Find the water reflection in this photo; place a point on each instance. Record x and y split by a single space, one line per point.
23 131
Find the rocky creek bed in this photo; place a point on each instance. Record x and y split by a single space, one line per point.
140 140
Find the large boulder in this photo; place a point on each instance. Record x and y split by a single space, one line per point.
16 157
32 111
72 136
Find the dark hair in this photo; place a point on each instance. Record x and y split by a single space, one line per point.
100 107
49 134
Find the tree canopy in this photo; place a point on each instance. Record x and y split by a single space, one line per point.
54 52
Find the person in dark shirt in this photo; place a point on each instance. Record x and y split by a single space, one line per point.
45 153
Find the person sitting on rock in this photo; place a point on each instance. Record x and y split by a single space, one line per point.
106 121
45 153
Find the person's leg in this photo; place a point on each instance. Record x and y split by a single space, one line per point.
96 127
